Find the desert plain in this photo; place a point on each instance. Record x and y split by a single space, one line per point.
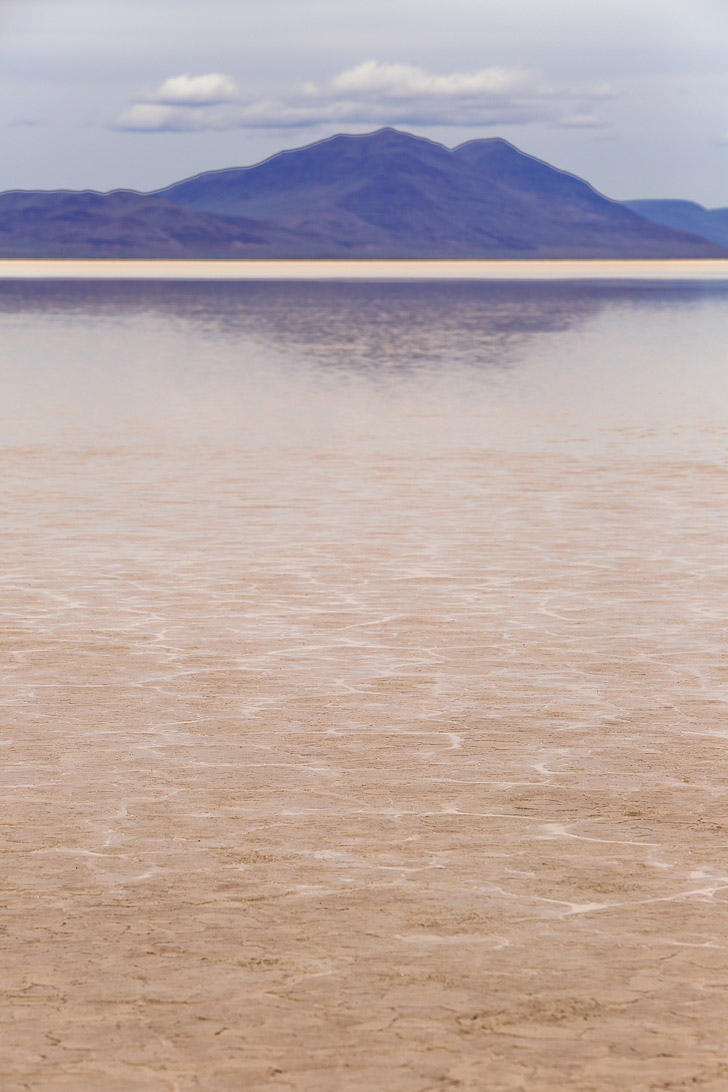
347 749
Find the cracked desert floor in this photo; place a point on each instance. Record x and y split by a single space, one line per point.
364 687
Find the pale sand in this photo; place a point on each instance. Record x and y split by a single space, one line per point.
698 269
296 803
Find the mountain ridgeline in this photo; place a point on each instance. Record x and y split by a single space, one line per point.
380 195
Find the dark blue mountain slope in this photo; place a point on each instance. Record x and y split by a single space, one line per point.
391 194
385 194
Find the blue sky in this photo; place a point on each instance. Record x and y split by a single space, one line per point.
631 95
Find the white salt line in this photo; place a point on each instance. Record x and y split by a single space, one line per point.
367 269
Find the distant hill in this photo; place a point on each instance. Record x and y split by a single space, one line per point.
124 224
385 194
712 224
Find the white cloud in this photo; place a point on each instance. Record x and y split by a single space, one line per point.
370 93
148 117
183 104
401 80
208 90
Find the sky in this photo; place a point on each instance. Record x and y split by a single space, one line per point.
100 94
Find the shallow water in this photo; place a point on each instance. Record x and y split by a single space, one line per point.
365 686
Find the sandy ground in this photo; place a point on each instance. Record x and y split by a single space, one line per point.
294 802
636 269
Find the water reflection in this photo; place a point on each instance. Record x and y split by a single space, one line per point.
514 364
370 323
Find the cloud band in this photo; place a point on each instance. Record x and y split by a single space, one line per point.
369 93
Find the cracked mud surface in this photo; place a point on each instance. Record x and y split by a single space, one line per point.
364 748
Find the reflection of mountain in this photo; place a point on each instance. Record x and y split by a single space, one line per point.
408 327
385 194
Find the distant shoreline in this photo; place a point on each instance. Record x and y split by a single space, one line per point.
504 269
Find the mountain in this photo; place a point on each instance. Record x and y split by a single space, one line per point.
712 224
124 224
385 194
390 194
